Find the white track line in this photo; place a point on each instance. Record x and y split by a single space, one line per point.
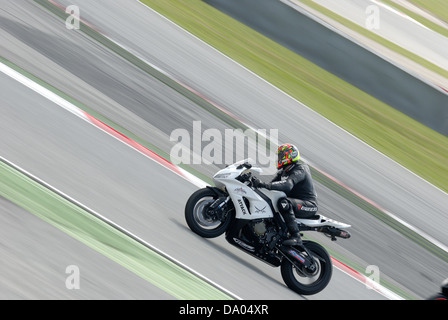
114 225
398 12
86 117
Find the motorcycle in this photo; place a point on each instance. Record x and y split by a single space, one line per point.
251 221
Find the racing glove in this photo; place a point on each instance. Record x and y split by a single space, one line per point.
257 183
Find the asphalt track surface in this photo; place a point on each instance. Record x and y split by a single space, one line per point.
59 150
60 145
252 99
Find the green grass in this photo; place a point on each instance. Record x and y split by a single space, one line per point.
102 237
438 8
403 139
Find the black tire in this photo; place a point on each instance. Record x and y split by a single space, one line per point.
290 274
204 226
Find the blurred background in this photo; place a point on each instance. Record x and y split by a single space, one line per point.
97 97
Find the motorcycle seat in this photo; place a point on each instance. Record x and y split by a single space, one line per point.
315 217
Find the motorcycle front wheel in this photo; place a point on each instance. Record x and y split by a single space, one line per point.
200 219
309 283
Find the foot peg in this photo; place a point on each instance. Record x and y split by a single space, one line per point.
333 232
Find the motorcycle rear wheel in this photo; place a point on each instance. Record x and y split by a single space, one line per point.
306 284
199 220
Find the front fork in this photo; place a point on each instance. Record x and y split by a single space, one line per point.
216 209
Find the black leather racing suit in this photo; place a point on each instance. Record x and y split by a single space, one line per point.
296 182
301 200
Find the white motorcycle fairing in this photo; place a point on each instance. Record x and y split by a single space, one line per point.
241 194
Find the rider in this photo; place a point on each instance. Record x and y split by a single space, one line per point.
294 179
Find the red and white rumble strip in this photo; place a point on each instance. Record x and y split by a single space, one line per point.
99 124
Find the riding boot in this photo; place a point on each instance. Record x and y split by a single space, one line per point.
295 238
